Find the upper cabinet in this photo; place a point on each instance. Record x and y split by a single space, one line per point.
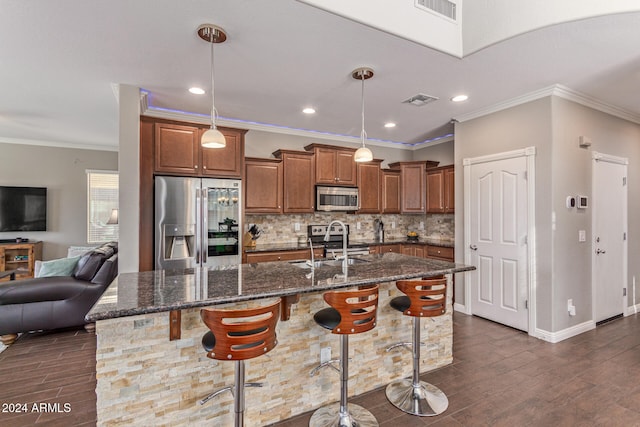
413 183
369 186
334 165
177 151
299 176
263 185
440 190
390 194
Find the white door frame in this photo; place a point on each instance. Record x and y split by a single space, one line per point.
530 154
597 157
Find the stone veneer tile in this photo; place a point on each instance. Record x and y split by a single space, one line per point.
150 380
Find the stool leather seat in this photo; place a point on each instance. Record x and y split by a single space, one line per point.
328 318
400 303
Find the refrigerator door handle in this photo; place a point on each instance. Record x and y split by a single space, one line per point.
204 236
198 244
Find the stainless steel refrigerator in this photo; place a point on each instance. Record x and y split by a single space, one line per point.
197 222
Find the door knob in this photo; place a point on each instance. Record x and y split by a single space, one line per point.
473 247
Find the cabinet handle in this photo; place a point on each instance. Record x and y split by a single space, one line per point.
204 167
195 167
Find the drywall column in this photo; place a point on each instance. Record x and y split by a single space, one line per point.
129 168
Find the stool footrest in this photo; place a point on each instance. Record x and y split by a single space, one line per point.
230 389
328 364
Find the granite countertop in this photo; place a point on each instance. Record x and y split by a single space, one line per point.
157 291
292 246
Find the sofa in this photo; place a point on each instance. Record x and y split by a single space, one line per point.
46 303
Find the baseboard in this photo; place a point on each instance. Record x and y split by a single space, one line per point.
554 337
460 308
634 309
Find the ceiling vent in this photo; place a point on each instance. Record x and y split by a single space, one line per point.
444 8
420 99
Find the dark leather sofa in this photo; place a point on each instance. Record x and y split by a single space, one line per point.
57 302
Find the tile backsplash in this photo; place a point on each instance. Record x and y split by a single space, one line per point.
281 228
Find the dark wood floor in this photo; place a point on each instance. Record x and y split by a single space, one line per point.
500 377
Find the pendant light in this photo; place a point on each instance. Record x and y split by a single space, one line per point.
362 154
212 138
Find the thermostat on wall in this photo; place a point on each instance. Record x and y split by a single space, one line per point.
582 202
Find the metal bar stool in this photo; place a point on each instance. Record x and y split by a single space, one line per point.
239 335
423 298
351 312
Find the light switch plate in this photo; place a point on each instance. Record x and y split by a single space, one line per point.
582 236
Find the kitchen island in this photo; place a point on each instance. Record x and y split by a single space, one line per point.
144 378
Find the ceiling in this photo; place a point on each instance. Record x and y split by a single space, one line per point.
60 61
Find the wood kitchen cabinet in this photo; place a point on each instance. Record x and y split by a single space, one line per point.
390 191
414 250
286 255
440 252
440 190
299 178
412 184
263 185
395 248
369 183
334 165
177 151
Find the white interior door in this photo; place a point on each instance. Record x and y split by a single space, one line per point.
498 241
609 244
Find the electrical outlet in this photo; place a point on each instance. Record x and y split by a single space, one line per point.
393 224
325 354
296 226
571 308
582 236
358 225
421 226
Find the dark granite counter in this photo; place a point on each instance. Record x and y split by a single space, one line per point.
288 246
166 290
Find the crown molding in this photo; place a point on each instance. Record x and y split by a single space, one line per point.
554 90
58 144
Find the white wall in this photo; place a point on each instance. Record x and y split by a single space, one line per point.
62 171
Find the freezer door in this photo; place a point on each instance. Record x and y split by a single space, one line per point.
177 237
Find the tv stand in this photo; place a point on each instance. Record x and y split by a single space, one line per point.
22 240
20 257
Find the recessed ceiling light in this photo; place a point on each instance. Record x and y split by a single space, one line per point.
459 98
309 110
196 91
390 125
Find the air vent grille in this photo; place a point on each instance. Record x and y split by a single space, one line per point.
420 99
441 7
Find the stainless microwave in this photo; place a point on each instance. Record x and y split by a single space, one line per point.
336 198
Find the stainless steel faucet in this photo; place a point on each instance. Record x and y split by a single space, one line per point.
344 242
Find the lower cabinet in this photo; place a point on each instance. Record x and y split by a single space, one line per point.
292 255
381 249
440 252
414 250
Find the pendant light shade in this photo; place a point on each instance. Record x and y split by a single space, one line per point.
212 138
362 154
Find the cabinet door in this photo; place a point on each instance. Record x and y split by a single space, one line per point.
369 187
263 186
299 174
408 250
227 161
176 149
390 192
413 188
345 168
435 194
449 190
438 252
325 166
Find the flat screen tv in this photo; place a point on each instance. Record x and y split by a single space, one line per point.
23 209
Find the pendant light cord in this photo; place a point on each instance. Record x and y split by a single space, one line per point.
213 104
363 134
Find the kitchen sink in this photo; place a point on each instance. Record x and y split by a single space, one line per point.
327 262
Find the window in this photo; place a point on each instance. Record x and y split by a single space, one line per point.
102 191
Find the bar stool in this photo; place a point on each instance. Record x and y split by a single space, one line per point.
239 335
351 312
423 298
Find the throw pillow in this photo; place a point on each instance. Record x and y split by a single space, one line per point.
58 267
